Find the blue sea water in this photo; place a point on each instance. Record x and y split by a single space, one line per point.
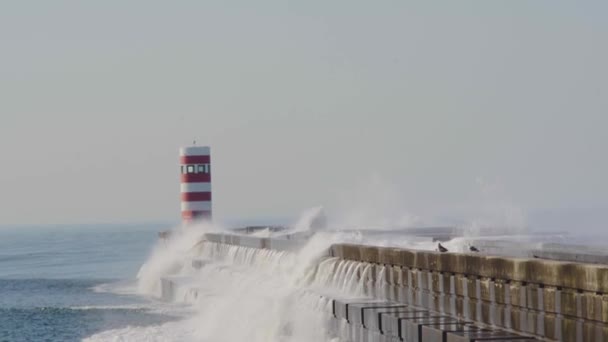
54 280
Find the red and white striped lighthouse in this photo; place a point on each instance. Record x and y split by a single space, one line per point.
195 167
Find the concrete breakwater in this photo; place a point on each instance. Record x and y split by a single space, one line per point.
390 294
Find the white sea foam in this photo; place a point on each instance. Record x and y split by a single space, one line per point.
167 332
247 294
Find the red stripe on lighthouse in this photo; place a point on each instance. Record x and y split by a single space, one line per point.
196 196
196 177
195 159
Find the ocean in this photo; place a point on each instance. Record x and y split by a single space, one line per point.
66 283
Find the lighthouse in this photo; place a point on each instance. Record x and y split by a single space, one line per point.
195 169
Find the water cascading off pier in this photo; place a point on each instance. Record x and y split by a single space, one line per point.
279 289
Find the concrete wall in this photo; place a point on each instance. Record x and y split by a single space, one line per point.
563 301
553 300
280 244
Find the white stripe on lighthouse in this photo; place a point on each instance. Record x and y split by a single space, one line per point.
196 206
195 187
194 151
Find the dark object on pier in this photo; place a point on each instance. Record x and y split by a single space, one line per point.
441 248
473 249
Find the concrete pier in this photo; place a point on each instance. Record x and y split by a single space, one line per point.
431 296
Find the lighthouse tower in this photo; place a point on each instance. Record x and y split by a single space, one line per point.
195 168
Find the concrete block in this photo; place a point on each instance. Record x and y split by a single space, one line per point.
438 333
251 242
569 330
472 336
351 252
459 285
491 314
390 321
339 306
485 289
435 301
595 332
517 294
435 282
465 307
370 254
589 277
594 306
336 251
570 303
286 245
411 329
389 256
534 297
501 291
471 285
355 311
406 279
550 301
213 237
407 258
372 315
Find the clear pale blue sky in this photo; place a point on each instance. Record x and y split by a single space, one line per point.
302 102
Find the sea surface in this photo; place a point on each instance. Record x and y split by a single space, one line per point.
65 283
